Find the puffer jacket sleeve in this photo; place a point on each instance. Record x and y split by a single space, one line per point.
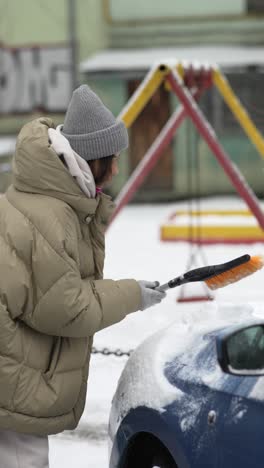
79 308
74 307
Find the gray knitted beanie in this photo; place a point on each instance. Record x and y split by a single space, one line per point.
91 129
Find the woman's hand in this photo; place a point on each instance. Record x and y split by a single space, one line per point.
150 296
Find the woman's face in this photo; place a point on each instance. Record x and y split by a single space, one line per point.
114 170
104 170
115 167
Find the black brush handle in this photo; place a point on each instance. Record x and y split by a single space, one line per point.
204 273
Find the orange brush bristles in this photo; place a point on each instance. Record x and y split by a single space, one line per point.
236 273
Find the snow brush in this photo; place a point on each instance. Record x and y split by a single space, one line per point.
218 276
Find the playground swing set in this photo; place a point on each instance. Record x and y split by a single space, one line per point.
188 83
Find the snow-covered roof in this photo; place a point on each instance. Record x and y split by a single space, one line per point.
7 145
124 60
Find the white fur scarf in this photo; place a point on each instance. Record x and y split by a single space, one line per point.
78 167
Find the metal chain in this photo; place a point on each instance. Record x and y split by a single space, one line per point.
109 352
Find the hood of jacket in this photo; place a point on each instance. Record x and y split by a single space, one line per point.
37 168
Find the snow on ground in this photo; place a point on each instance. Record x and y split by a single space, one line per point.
133 250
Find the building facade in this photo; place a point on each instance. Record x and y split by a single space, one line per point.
229 33
115 42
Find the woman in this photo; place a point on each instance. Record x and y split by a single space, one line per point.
52 295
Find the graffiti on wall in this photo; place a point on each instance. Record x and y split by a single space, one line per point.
35 78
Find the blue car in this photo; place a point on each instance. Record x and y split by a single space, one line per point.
188 400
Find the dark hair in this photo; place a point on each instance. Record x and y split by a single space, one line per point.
101 169
61 157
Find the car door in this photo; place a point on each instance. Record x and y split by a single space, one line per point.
240 440
194 417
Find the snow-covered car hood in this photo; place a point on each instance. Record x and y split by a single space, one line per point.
144 381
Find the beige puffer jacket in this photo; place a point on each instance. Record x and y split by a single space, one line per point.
52 296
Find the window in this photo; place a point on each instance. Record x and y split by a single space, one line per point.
248 87
255 6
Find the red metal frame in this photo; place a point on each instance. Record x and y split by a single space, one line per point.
195 298
208 134
150 158
190 108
